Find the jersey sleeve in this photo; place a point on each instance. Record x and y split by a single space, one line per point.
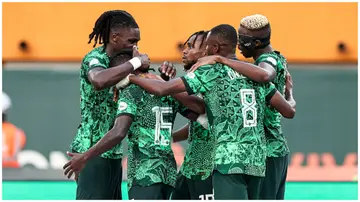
270 91
200 81
128 101
269 59
94 61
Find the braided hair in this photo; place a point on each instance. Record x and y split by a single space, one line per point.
109 20
197 34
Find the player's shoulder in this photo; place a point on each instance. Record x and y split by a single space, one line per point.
209 69
132 92
96 55
273 58
204 68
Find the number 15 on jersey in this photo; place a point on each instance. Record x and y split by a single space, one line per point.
161 124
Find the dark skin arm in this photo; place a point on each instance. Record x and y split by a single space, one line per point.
158 87
289 90
174 87
102 78
264 74
285 105
191 115
181 134
105 78
112 138
285 108
192 102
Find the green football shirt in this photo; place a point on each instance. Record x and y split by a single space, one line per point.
235 108
150 156
199 158
276 141
98 110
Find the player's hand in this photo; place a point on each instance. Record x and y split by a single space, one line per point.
167 70
123 83
207 60
288 81
288 84
75 165
145 60
151 76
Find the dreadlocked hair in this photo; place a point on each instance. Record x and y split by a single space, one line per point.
196 34
107 21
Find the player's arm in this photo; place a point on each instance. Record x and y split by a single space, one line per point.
125 115
289 90
192 83
102 78
113 137
264 74
181 134
192 102
286 108
158 87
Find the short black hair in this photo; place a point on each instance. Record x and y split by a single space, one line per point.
197 34
108 20
227 33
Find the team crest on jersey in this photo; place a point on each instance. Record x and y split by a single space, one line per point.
191 75
122 106
271 60
93 62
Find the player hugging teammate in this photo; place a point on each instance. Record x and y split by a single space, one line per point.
235 142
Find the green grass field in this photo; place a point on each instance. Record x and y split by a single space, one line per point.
63 190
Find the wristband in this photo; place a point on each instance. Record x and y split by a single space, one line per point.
135 62
123 83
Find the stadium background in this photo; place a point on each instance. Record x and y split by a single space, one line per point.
41 59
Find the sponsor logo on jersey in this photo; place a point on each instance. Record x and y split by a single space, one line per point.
94 62
122 106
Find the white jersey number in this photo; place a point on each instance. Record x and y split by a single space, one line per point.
160 124
206 197
249 107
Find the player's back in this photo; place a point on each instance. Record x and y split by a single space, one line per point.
151 159
98 110
235 107
276 141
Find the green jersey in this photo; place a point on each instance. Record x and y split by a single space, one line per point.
98 110
199 158
276 141
150 157
235 108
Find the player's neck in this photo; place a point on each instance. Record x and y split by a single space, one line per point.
109 51
229 55
267 49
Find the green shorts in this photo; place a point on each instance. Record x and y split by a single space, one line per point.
100 179
193 189
236 186
158 191
273 185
